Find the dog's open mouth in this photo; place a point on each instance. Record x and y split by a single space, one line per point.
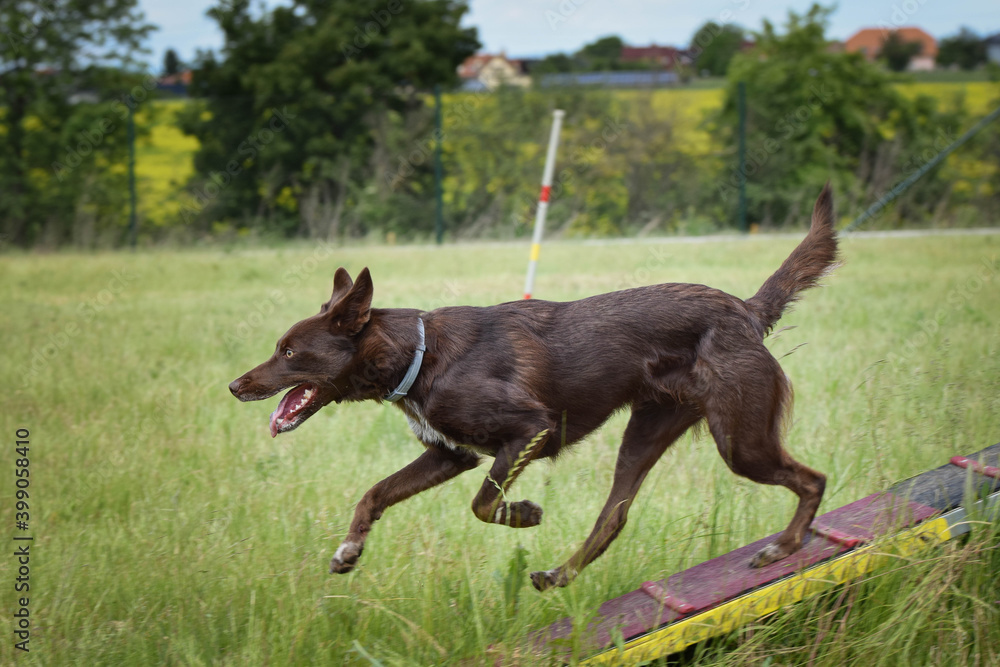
293 409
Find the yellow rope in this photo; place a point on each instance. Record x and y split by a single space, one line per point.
524 458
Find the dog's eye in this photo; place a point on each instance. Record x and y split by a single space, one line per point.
289 352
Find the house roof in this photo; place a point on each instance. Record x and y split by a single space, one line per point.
651 51
667 55
869 41
470 67
474 64
181 78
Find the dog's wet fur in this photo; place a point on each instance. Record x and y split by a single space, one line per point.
495 378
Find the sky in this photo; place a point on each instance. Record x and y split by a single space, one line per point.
532 28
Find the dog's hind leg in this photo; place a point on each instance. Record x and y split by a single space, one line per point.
490 504
747 428
435 466
652 428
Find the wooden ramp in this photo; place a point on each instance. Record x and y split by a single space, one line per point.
722 594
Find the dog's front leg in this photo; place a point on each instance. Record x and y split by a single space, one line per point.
490 504
433 467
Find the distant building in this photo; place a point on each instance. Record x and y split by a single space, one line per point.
84 97
993 48
869 41
615 79
175 83
664 57
487 70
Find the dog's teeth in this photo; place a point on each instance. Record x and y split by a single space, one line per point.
309 393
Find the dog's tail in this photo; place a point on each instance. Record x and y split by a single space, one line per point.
809 262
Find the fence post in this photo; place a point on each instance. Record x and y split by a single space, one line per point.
741 104
438 186
132 224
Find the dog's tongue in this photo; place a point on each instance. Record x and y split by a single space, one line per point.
287 406
274 424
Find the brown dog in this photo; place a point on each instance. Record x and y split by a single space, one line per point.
521 380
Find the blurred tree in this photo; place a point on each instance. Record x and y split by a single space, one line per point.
171 63
815 114
53 64
556 63
714 46
966 49
897 53
601 55
290 109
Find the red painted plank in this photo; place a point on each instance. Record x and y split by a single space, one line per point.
715 581
631 614
876 515
710 583
730 575
661 595
834 535
976 466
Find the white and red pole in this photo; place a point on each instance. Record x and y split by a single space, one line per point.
543 201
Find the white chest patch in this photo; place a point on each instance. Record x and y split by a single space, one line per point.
426 433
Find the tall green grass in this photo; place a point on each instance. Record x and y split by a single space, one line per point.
170 529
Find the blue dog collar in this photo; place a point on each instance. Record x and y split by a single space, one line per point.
411 373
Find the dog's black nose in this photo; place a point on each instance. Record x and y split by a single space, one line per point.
235 385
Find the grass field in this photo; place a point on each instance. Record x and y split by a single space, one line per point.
171 529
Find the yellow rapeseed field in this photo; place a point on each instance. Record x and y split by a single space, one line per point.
164 162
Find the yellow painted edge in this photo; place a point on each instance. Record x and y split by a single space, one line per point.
740 611
536 249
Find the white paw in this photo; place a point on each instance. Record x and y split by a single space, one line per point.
345 557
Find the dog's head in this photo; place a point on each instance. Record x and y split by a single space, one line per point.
316 357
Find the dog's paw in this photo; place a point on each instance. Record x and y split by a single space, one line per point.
547 579
345 558
525 514
772 553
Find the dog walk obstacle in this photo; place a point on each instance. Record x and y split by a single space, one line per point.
722 594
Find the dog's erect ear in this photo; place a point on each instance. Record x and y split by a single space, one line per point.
351 312
342 283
